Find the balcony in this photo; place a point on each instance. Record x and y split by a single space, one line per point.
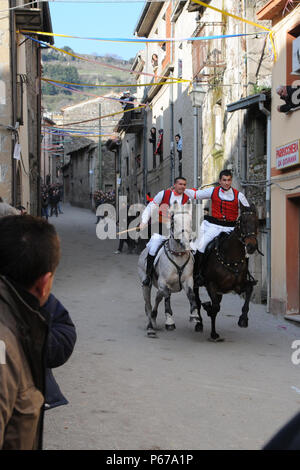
133 123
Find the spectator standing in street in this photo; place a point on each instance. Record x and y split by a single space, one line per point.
44 204
60 200
54 200
29 255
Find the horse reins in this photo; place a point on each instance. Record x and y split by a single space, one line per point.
180 269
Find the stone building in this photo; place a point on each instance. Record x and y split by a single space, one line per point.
20 102
92 163
52 153
78 172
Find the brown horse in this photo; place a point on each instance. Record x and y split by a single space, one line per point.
225 268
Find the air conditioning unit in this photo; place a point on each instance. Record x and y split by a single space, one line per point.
296 56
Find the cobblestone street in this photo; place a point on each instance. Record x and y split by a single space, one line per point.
178 391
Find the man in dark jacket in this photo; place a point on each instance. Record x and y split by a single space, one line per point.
29 255
60 345
291 96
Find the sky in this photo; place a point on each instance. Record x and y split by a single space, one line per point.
97 20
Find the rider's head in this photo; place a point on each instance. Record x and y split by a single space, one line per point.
180 185
225 179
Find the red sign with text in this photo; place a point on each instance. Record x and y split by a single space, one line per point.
287 155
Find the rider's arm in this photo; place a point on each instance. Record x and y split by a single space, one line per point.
243 200
151 206
199 194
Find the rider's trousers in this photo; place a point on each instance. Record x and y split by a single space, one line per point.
155 242
208 232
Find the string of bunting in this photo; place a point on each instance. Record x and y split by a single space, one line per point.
244 20
102 117
73 90
64 133
149 40
93 61
88 85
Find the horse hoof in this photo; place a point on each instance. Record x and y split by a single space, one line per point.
194 318
243 323
216 340
199 327
151 334
170 327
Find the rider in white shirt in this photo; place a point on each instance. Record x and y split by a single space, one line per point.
163 200
225 207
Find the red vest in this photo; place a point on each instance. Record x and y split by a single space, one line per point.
165 204
225 210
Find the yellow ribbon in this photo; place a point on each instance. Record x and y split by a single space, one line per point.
113 85
226 13
83 58
100 117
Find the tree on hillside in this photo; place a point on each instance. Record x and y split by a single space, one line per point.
67 56
61 73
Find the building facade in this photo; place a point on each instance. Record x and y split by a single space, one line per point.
20 102
89 165
285 159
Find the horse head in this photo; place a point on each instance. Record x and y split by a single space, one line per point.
181 224
247 226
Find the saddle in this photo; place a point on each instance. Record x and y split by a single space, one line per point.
214 244
158 252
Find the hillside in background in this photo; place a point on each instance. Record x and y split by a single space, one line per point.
63 67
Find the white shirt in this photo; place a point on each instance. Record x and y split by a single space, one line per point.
6 209
224 195
157 201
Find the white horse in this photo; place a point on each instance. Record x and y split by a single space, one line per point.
173 270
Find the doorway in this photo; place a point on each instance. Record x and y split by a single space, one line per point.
292 253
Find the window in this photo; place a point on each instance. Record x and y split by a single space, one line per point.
293 55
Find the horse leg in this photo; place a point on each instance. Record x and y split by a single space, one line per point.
199 325
159 297
194 308
148 309
212 308
243 320
170 324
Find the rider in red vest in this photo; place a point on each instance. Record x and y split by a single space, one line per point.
163 200
225 211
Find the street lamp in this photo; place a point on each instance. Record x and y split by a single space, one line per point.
197 95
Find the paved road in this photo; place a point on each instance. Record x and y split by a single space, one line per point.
179 391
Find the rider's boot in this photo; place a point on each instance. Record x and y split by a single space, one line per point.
198 277
149 269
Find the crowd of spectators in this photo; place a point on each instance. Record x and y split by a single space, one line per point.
51 197
104 197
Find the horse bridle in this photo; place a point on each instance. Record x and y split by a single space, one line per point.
243 235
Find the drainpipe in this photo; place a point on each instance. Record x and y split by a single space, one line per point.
172 149
13 61
268 202
145 156
196 146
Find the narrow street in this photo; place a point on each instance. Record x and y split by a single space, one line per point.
178 391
